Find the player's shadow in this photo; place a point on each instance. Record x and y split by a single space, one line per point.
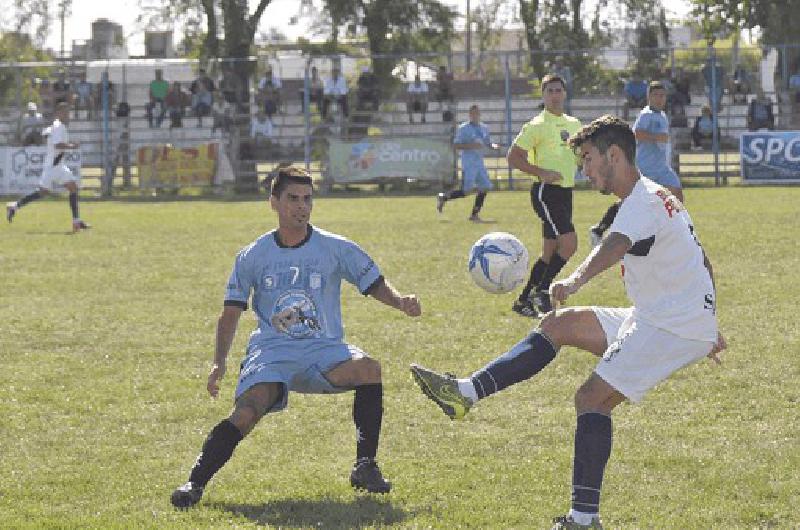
321 513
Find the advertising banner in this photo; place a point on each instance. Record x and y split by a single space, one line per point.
167 166
770 157
21 168
372 159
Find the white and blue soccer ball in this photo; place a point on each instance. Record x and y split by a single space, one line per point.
498 262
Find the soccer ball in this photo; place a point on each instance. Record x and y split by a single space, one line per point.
498 262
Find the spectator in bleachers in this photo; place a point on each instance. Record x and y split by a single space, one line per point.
261 128
158 91
444 86
61 90
222 115
84 97
202 90
740 85
759 113
367 90
417 98
565 73
794 87
703 128
635 90
316 93
335 89
98 98
31 125
175 103
269 92
717 76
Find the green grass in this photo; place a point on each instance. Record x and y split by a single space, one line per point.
106 339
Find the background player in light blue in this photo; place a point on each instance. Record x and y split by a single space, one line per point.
652 153
292 278
471 138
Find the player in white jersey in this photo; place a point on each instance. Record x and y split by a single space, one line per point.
671 324
292 277
55 171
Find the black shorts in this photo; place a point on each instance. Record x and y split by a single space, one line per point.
553 205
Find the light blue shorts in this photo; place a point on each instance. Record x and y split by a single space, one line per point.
296 370
476 177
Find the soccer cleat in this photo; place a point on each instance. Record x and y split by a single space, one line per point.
566 523
11 211
524 308
541 300
475 218
442 390
186 496
440 200
595 235
366 475
80 225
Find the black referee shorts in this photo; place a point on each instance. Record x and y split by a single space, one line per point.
553 205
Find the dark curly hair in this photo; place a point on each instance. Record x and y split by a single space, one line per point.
604 132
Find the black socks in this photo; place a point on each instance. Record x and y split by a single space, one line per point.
592 451
368 415
217 449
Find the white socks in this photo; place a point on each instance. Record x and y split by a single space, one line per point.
467 389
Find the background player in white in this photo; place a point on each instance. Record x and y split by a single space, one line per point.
652 153
292 276
54 171
671 324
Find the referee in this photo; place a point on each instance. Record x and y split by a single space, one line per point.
540 149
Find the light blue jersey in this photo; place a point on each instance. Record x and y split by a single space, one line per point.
475 174
652 158
296 290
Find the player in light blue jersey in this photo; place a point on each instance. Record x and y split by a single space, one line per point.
291 277
652 153
472 138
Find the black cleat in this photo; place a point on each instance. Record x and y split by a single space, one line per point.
367 476
524 308
186 496
542 302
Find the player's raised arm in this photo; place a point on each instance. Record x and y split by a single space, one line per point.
383 291
609 252
226 331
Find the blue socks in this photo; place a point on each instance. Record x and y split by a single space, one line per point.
526 359
592 450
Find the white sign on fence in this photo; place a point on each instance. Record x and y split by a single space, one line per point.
21 168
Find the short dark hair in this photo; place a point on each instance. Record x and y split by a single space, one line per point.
655 85
289 175
604 132
474 106
549 78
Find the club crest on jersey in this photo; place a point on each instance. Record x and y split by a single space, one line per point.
315 280
296 315
269 282
564 135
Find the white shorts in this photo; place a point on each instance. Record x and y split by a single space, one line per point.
55 175
640 355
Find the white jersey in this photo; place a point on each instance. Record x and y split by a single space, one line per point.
56 134
664 273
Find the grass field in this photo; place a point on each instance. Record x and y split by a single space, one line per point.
106 339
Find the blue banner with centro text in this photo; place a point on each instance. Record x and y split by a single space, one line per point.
380 158
770 157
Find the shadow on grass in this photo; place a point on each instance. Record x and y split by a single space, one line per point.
322 513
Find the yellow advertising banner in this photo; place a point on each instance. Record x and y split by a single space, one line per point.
168 166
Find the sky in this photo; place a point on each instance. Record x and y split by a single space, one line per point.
278 13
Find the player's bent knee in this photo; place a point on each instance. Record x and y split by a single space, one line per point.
557 325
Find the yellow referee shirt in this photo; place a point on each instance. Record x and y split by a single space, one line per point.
545 140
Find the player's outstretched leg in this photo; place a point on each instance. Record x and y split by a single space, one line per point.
456 396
